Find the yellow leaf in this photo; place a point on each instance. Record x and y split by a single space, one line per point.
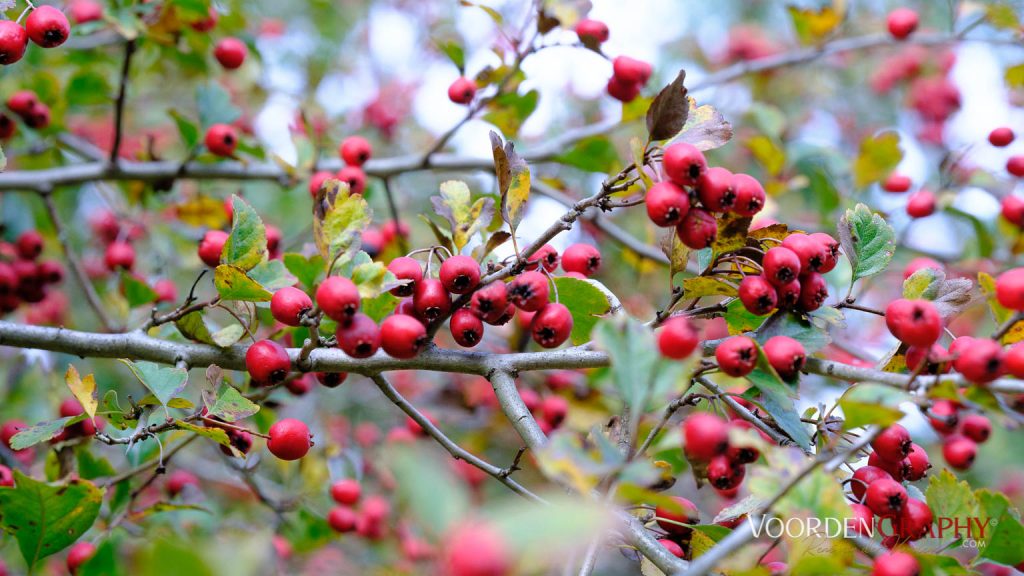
637 149
878 156
705 127
813 26
768 153
203 212
84 389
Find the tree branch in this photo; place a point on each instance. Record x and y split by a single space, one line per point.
119 104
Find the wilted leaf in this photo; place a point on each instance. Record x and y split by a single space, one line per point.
677 252
705 127
732 233
83 389
513 181
669 110
339 219
465 217
232 406
496 239
868 241
878 156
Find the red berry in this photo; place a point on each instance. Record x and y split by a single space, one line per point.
1013 360
274 238
742 454
355 150
667 204
47 26
331 379
918 464
430 299
346 491
917 355
406 268
206 24
593 31
338 298
684 164
221 140
895 564
402 336
359 336
13 41
704 436
716 191
1001 136
1015 165
886 497
29 245
786 355
267 362
672 547
551 325
977 428
354 177
39 117
737 356
23 101
724 474
528 291
7 126
466 327
896 183
6 481
698 229
289 439
981 362
459 274
959 452
750 195
893 443
342 519
781 266
317 180
813 292
677 338
812 253
79 554
921 204
1010 289
476 549
861 520
582 258
864 477
944 416
289 304
119 255
178 480
554 409
489 300
631 70
913 322
914 521
831 251
462 91
166 290
1012 208
546 255
211 247
621 90
231 53
902 22
757 295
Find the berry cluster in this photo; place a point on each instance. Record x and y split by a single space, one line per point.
737 356
24 278
354 151
629 76
26 105
706 440
368 521
46 26
691 193
791 275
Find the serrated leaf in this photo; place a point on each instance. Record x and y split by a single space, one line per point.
228 335
246 246
951 499
878 157
45 519
83 389
215 105
700 286
339 219
193 327
668 112
186 128
165 382
232 406
136 291
372 278
306 270
868 403
233 284
868 241
949 296
272 275
43 431
705 127
585 301
464 216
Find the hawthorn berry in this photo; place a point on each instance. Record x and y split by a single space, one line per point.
13 41
677 338
355 150
29 244
267 362
1015 165
47 26
698 229
346 491
813 291
672 547
80 553
554 409
681 511
750 195
831 251
918 464
206 24
631 70
715 188
528 291
1013 360
895 564
914 521
918 355
466 327
704 436
289 439
7 126
757 295
338 298
231 53
459 274
896 183
893 443
359 336
6 481
621 90
1001 136
178 480
462 90
489 300
737 356
921 204
684 164
902 22
781 265
981 362
546 256
1010 289
582 258
119 255
1012 209
166 290
316 181
342 519
211 247
724 474
476 549
430 300
786 355
667 204
861 520
592 31
402 336
944 416
274 237
976 427
405 268
959 451
811 252
23 101
221 140
742 454
886 497
502 317
354 177
331 379
913 322
864 477
289 304
551 325
38 117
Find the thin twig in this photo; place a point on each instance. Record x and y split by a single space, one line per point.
119 103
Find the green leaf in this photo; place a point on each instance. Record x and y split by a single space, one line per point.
429 490
193 327
91 466
113 412
151 400
587 301
228 335
700 286
247 244
923 284
46 519
739 320
88 87
218 435
379 307
869 403
777 399
307 270
136 291
43 431
1003 532
813 337
455 53
705 127
464 216
950 498
669 110
878 157
339 219
165 382
596 154
215 105
232 406
272 275
233 284
508 111
868 241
